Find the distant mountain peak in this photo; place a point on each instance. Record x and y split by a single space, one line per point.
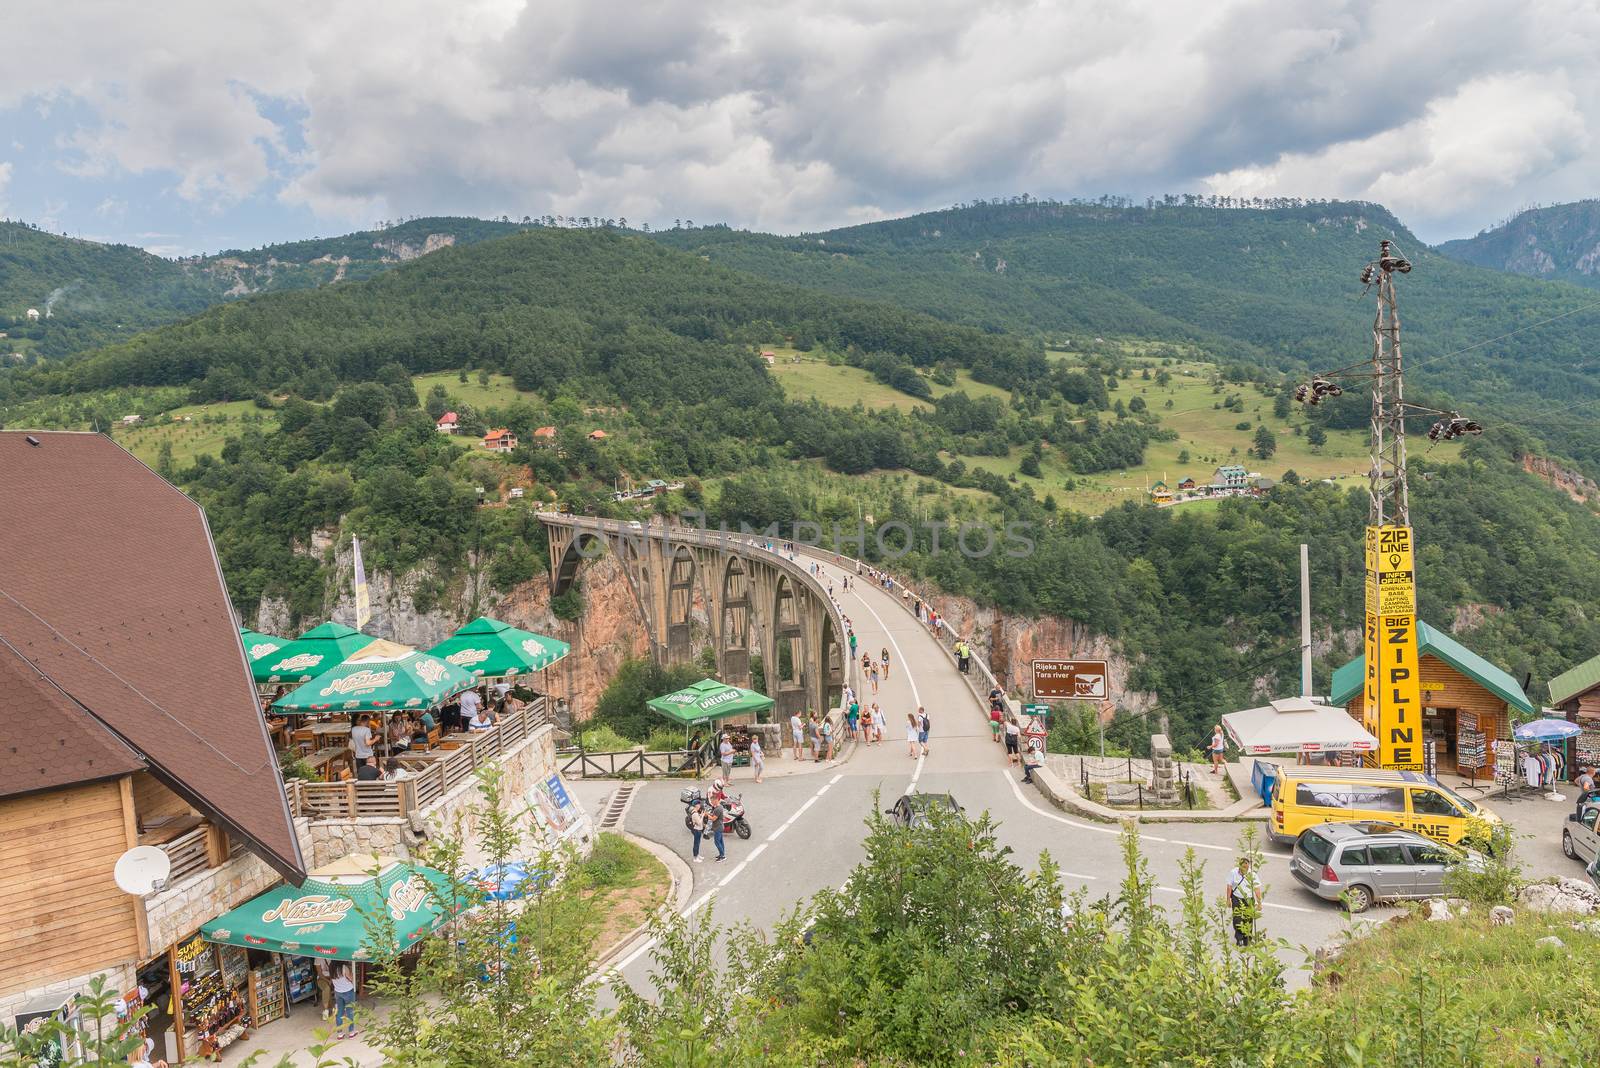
1561 242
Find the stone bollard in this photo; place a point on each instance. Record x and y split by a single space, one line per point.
1163 772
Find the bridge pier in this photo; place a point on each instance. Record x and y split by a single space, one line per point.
749 595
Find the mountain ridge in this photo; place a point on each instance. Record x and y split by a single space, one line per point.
1558 242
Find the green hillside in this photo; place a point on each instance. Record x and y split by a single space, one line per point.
90 294
1273 287
1560 242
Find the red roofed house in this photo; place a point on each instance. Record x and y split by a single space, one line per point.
499 441
127 717
770 358
448 423
597 435
545 435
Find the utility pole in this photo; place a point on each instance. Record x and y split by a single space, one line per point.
1389 496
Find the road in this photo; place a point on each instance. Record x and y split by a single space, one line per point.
809 826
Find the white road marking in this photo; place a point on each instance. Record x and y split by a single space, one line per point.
916 694
756 852
694 908
773 837
836 778
915 775
734 874
1264 904
1016 789
644 947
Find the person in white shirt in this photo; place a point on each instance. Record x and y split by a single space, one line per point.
344 1003
725 755
480 721
502 690
797 731
470 704
758 760
361 739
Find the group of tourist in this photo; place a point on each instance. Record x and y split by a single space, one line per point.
811 732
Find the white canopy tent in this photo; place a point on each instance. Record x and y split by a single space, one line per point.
1297 725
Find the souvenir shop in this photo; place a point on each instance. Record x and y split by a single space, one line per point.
1467 706
204 997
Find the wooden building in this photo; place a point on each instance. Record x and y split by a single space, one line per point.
127 717
1576 694
1463 696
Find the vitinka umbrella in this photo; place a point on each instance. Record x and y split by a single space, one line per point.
383 677
355 916
491 648
258 645
709 699
309 655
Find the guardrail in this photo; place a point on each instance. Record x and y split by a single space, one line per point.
353 799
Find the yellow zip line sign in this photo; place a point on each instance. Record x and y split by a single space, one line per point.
1391 707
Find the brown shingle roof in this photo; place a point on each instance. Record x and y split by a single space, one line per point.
110 589
46 741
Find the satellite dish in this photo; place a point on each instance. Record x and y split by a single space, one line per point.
143 870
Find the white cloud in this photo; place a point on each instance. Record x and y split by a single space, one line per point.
803 113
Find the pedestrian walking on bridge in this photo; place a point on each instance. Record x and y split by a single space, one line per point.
883 657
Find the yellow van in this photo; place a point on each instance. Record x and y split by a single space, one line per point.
1306 795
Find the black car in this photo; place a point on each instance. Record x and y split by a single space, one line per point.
913 810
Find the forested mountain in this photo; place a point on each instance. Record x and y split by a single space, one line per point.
1273 287
580 328
1558 242
90 294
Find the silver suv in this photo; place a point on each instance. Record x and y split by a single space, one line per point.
1366 862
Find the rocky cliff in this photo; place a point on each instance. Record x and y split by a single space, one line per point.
1560 241
607 632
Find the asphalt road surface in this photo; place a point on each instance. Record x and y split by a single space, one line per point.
808 827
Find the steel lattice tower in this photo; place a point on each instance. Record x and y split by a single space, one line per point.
1390 500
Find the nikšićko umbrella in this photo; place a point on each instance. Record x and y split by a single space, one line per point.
335 913
488 647
258 645
709 699
383 677
309 655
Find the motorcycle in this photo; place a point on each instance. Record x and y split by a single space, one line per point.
733 821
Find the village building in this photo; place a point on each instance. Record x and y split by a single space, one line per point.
501 440
770 358
597 435
127 717
545 435
1230 477
130 420
1187 485
1467 702
448 423
1160 494
1576 694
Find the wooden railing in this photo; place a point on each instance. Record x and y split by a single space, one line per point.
188 853
635 762
427 785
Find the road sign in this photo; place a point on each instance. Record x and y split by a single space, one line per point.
1036 710
1069 680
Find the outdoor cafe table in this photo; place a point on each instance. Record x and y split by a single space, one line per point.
323 760
456 740
341 727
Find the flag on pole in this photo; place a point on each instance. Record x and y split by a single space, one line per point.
363 606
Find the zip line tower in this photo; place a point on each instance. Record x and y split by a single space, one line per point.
1386 484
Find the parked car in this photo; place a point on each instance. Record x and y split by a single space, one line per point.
1580 838
1363 862
913 810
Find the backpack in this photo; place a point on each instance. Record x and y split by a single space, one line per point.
927 722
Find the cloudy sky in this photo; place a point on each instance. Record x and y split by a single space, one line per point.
190 126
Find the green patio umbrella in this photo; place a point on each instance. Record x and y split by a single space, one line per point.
309 655
707 700
337 916
258 645
488 647
383 677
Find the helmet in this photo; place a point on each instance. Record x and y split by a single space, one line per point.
718 784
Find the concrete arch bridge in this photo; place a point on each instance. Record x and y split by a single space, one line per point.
754 599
